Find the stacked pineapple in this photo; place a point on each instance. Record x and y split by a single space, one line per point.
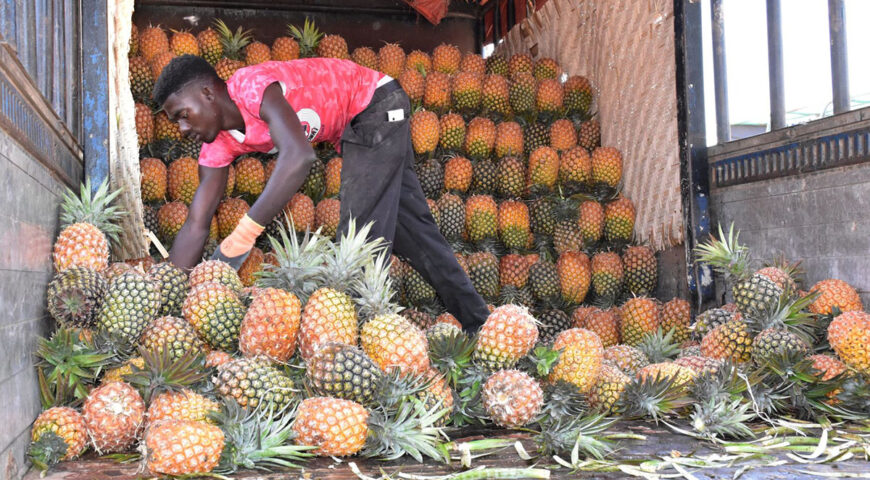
327 346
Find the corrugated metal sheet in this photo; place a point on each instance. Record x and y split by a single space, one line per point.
626 48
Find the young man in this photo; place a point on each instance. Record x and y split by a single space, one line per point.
283 107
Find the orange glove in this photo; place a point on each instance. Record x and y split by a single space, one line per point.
239 243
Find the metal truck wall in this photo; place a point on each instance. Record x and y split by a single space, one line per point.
802 192
40 154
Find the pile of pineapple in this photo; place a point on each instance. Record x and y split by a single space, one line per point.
327 346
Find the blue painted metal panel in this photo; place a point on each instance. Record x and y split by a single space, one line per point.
95 80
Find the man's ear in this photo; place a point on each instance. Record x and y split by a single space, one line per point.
208 92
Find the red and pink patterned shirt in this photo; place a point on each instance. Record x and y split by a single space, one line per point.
325 93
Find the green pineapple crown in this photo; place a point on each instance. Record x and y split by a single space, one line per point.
407 429
652 397
787 313
67 366
726 255
659 346
93 207
308 37
373 291
715 419
163 373
450 351
576 434
299 262
345 260
562 400
233 42
47 450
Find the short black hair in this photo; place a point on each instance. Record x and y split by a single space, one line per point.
181 71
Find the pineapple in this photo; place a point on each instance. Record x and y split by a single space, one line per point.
512 398
173 334
141 86
250 268
250 176
680 376
130 303
511 179
337 427
391 60
729 341
315 182
619 218
179 447
589 135
641 270
229 212
431 177
210 45
436 93
607 166
425 132
581 314
216 271
829 367
608 388
607 275
513 224
535 135
418 61
333 46
472 62
521 94
544 281
256 53
495 93
184 404
183 179
640 316
113 414
580 360
452 217
567 236
710 319
543 170
327 215
333 177
301 212
62 423
144 124
170 219
253 382
271 325
508 334
575 168
365 57
552 322
284 49
484 176
627 358
508 139
497 65
563 137
134 41
165 129
700 365
152 41
452 128
591 221
87 228
446 58
849 336
835 294
394 343
578 95
153 180
216 313
605 324
546 68
183 43
466 91
308 38
418 291
575 275
414 84
75 297
480 137
520 62
159 62
677 316
457 174
329 316
483 272
232 44
438 396
344 371
549 97
481 213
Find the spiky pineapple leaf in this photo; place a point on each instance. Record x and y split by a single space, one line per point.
94 207
659 346
299 262
47 451
67 365
233 42
716 419
652 397
308 37
725 254
409 429
163 373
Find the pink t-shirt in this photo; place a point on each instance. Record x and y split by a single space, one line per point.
326 94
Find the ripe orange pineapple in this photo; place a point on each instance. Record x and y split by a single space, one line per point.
165 129
301 212
327 215
170 219
134 41
681 376
425 132
605 324
549 96
546 68
183 179
446 58
418 61
466 90
183 43
336 426
366 57
457 174
152 41
835 293
232 43
514 270
284 49
581 358
180 447
729 341
849 336
480 137
394 342
508 334
333 177
250 267
563 137
520 62
828 366
215 271
581 314
152 179
452 131
512 398
141 80
574 276
607 274
391 60
67 424
413 83
543 170
329 316
87 225
271 325
257 52
496 95
436 93
229 212
473 63
182 405
677 315
608 388
113 413
619 220
626 358
333 46
508 139
640 316
159 62
575 168
144 124
210 45
513 224
607 166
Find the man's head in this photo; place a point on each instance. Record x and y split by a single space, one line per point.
188 90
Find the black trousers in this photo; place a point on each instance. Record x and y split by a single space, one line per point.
378 184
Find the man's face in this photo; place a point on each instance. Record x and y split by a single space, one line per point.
195 110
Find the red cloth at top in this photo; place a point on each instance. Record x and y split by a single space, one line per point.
433 10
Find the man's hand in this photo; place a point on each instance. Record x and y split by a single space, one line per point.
236 247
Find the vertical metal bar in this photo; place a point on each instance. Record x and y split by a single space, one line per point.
511 14
774 64
694 174
720 75
496 21
839 55
95 85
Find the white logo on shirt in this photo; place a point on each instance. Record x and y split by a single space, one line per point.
310 121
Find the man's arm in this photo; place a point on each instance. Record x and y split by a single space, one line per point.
187 247
295 156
